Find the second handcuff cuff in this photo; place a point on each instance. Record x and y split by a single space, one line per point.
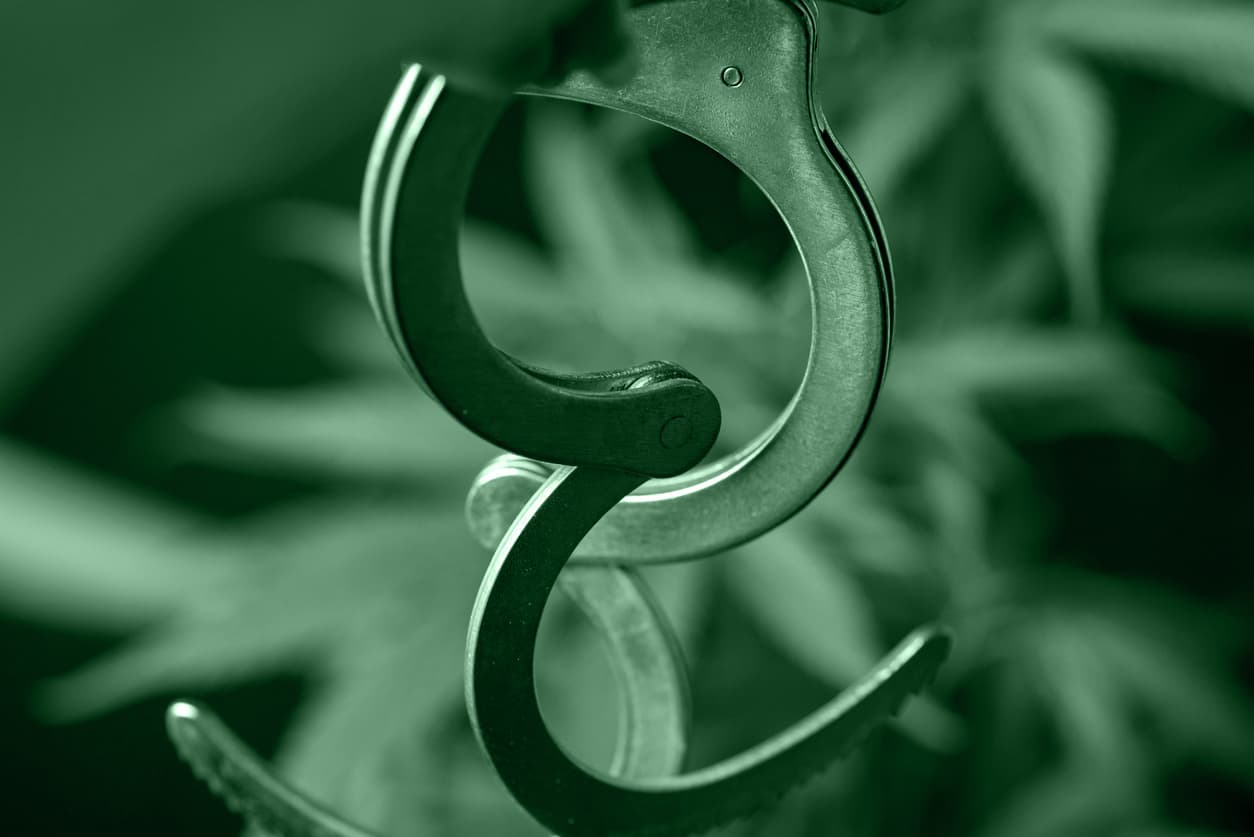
603 468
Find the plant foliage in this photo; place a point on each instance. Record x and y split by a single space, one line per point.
1022 185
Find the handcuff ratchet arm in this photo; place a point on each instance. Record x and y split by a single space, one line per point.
575 801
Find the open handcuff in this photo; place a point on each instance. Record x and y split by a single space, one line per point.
604 469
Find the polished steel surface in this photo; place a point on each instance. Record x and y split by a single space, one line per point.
768 126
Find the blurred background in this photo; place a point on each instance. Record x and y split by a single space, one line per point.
216 482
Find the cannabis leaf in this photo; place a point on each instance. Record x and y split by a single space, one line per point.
1058 131
325 588
907 109
80 550
1206 42
1057 381
384 431
826 622
1212 288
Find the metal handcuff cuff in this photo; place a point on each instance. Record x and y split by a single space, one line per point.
603 471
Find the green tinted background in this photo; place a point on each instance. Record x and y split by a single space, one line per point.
215 481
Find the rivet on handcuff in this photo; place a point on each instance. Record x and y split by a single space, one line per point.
623 487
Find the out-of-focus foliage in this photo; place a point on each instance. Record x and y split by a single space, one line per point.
1036 226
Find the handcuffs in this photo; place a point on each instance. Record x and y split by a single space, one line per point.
603 470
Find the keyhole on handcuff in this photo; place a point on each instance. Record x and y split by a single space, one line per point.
629 243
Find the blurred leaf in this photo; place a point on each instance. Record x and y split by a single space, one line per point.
959 508
366 743
1208 288
506 278
1122 681
1067 802
585 206
949 425
328 237
1057 127
1207 42
825 628
1016 363
78 550
326 586
380 431
350 338
475 801
1195 204
1202 711
912 102
821 620
1022 277
1085 700
523 303
627 248
866 526
627 255
1183 179
1057 381
817 614
814 611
